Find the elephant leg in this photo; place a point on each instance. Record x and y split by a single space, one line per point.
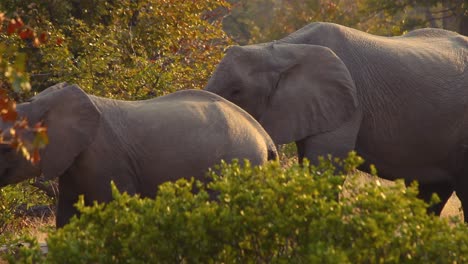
300 145
461 189
338 142
66 200
443 189
322 145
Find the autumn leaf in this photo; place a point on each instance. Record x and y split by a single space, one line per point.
7 108
11 27
24 151
26 34
19 22
14 25
9 115
36 43
35 158
43 37
41 139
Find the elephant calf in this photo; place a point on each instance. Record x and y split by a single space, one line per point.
138 145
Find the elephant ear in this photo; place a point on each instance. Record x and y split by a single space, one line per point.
71 119
314 93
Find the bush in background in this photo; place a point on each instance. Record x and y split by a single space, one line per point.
265 214
122 49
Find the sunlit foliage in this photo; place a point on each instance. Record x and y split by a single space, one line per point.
265 214
123 48
254 21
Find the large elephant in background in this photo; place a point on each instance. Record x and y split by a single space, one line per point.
400 102
138 145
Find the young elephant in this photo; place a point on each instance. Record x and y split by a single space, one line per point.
138 145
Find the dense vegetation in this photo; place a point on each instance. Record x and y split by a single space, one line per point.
263 214
133 50
250 21
122 49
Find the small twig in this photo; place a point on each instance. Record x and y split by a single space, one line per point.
445 10
41 74
440 18
34 211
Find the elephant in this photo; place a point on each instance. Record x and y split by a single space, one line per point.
136 144
399 102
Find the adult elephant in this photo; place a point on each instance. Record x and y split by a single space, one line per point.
401 102
138 145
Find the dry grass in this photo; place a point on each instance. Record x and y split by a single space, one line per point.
39 227
36 226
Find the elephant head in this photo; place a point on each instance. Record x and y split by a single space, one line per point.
293 90
71 119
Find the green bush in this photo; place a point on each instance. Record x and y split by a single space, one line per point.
265 214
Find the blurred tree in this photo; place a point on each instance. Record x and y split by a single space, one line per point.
129 49
405 15
254 21
248 20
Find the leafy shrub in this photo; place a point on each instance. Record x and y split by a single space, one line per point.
123 48
263 214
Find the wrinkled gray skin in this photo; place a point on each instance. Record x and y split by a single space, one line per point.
138 145
400 102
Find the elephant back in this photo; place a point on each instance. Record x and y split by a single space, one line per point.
233 113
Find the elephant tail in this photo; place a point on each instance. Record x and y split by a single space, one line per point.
272 153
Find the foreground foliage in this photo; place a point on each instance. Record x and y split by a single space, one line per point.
19 135
263 214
